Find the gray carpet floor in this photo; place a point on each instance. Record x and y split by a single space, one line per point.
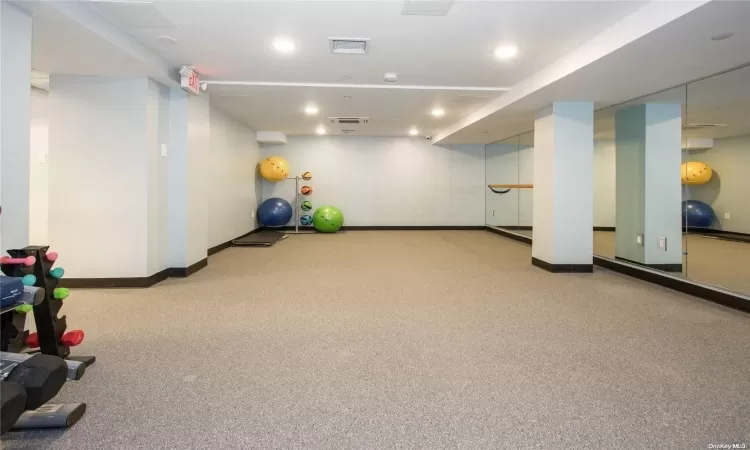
434 339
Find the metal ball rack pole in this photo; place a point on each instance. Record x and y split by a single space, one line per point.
297 208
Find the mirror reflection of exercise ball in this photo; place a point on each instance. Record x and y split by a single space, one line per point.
696 214
274 212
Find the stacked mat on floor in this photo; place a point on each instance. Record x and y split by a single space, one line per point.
264 238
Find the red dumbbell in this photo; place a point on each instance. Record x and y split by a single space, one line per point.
70 338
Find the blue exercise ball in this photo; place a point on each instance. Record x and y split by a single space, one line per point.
274 212
696 214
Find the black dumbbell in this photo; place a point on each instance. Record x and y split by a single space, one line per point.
12 404
41 375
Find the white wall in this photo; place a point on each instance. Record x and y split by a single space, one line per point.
387 181
15 84
98 175
729 187
232 174
39 173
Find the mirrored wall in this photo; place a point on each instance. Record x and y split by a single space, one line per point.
671 181
509 175
701 231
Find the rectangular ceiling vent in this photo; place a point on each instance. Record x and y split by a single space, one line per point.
348 120
701 126
348 46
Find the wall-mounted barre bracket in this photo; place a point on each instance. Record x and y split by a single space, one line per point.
505 188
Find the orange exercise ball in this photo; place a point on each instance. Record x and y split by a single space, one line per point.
695 172
274 168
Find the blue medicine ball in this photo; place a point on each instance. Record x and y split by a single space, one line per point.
696 214
306 219
274 212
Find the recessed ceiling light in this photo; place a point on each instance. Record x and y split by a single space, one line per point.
721 37
320 130
311 110
283 44
437 112
413 131
506 51
390 77
166 40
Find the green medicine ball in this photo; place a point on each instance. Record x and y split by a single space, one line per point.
328 219
306 205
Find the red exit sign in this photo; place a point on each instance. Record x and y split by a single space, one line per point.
190 81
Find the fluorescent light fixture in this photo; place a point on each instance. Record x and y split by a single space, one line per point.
311 110
321 130
506 51
437 112
413 131
283 44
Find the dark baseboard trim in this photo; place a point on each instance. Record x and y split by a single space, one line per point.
675 268
225 245
388 228
515 227
526 227
562 268
133 282
182 272
410 227
712 230
672 282
509 235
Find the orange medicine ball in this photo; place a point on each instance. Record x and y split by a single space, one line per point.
306 190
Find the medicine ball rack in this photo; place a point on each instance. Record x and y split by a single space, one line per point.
297 203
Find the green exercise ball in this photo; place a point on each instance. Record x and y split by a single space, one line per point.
328 219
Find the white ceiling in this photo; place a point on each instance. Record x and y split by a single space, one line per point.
676 53
63 46
231 41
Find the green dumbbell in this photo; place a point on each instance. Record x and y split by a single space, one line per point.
28 280
61 293
24 309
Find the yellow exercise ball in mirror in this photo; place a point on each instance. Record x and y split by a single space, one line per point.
695 172
274 168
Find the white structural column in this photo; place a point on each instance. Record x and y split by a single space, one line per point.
648 152
563 187
189 133
15 106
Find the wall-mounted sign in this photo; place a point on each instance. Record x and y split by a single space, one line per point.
189 80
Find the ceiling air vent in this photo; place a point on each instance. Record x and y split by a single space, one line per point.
349 46
348 120
701 126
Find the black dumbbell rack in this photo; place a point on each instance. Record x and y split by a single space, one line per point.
49 327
